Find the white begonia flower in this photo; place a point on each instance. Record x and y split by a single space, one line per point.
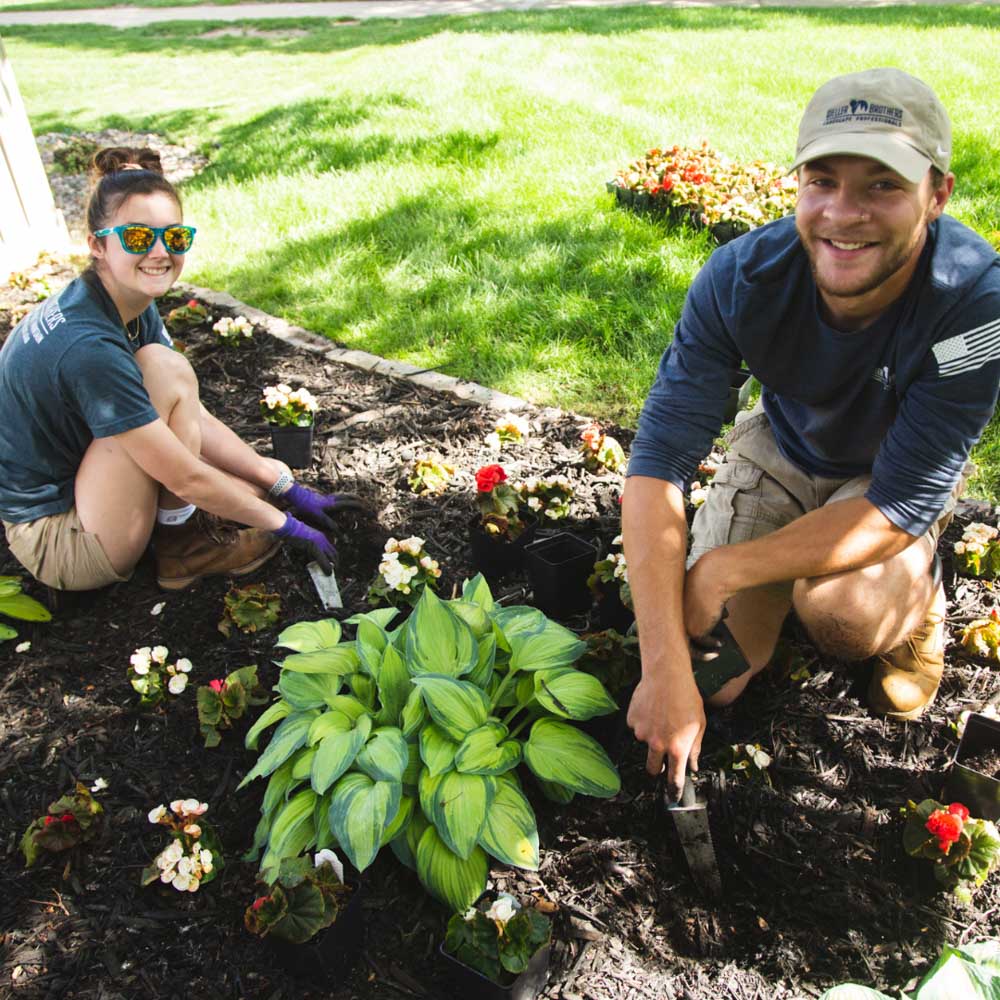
492 441
177 806
182 882
22 647
193 830
699 494
159 654
959 548
140 660
554 514
200 809
205 857
326 855
177 683
183 665
185 866
99 785
503 908
426 562
534 503
470 913
158 607
617 540
189 807
157 814
141 668
173 852
167 875
412 546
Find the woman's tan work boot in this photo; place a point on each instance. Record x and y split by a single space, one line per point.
906 678
202 546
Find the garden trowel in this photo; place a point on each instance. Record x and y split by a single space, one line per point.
690 819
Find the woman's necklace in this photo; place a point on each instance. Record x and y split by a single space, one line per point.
133 335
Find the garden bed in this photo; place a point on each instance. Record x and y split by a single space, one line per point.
818 888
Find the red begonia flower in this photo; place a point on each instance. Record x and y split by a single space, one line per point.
49 820
488 477
945 826
259 902
193 303
67 818
957 809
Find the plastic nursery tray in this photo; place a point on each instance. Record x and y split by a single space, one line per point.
469 984
980 792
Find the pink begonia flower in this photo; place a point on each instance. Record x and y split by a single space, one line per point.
216 686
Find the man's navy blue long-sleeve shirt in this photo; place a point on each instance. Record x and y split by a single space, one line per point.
904 399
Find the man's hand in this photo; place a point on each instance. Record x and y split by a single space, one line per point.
704 596
315 544
316 507
669 716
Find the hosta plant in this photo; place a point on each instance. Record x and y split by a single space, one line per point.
72 819
193 856
413 737
249 608
600 451
305 897
223 700
430 476
964 850
977 553
14 604
498 939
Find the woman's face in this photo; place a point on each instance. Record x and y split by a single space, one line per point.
133 279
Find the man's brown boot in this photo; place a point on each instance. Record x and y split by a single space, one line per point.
906 678
201 547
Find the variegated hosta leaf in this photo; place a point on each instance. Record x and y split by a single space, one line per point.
477 591
414 713
456 804
394 686
437 749
303 691
371 643
510 833
337 751
572 694
341 660
287 738
360 812
560 753
486 751
455 881
385 756
456 706
554 646
307 637
437 640
272 714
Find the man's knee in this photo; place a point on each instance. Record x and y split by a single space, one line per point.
841 614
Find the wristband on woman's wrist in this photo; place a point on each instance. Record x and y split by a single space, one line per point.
283 483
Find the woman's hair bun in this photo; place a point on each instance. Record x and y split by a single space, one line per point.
116 158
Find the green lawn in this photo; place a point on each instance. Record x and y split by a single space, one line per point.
433 190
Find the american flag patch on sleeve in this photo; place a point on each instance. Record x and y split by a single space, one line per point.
968 351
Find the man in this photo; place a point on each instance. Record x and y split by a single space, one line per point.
873 324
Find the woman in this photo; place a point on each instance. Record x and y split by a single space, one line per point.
104 442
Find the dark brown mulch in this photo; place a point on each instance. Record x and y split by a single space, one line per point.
818 890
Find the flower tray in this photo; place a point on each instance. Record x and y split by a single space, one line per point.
472 985
497 557
980 792
326 959
558 568
293 445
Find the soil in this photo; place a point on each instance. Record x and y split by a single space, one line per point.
984 763
817 888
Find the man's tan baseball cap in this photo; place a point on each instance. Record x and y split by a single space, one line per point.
884 114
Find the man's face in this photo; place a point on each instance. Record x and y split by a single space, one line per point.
863 227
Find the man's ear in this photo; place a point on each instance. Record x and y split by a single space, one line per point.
940 196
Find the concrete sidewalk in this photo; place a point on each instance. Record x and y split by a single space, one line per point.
135 17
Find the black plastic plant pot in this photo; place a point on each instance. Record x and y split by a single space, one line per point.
497 557
558 568
979 791
329 956
293 445
469 984
611 613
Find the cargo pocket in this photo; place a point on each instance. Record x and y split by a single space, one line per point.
730 512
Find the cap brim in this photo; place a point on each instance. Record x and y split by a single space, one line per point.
896 155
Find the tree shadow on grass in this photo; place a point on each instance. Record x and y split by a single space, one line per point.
330 36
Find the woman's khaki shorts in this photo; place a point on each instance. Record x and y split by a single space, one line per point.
58 552
757 490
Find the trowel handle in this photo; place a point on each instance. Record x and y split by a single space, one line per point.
688 796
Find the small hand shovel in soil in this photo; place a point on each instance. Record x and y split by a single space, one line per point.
690 820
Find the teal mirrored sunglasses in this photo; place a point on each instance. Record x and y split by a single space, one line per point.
138 239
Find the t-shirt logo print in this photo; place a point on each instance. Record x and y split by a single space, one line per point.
885 378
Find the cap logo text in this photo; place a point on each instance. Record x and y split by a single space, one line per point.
860 110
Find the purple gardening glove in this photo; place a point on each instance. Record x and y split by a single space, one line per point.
314 543
314 506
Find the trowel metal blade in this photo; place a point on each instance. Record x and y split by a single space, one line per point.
690 819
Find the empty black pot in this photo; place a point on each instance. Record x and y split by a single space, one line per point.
558 568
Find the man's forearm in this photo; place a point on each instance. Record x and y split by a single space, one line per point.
654 531
842 536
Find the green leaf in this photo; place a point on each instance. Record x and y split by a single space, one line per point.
558 752
308 637
337 752
6 632
349 705
458 808
394 686
380 616
303 691
437 640
405 845
341 660
327 723
371 642
477 591
482 673
279 784
24 607
413 767
363 688
414 713
554 646
267 718
572 694
437 749
360 812
303 763
958 973
473 616
293 825
396 826
520 621
555 792
486 751
385 756
851 991
456 706
287 738
511 833
456 882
